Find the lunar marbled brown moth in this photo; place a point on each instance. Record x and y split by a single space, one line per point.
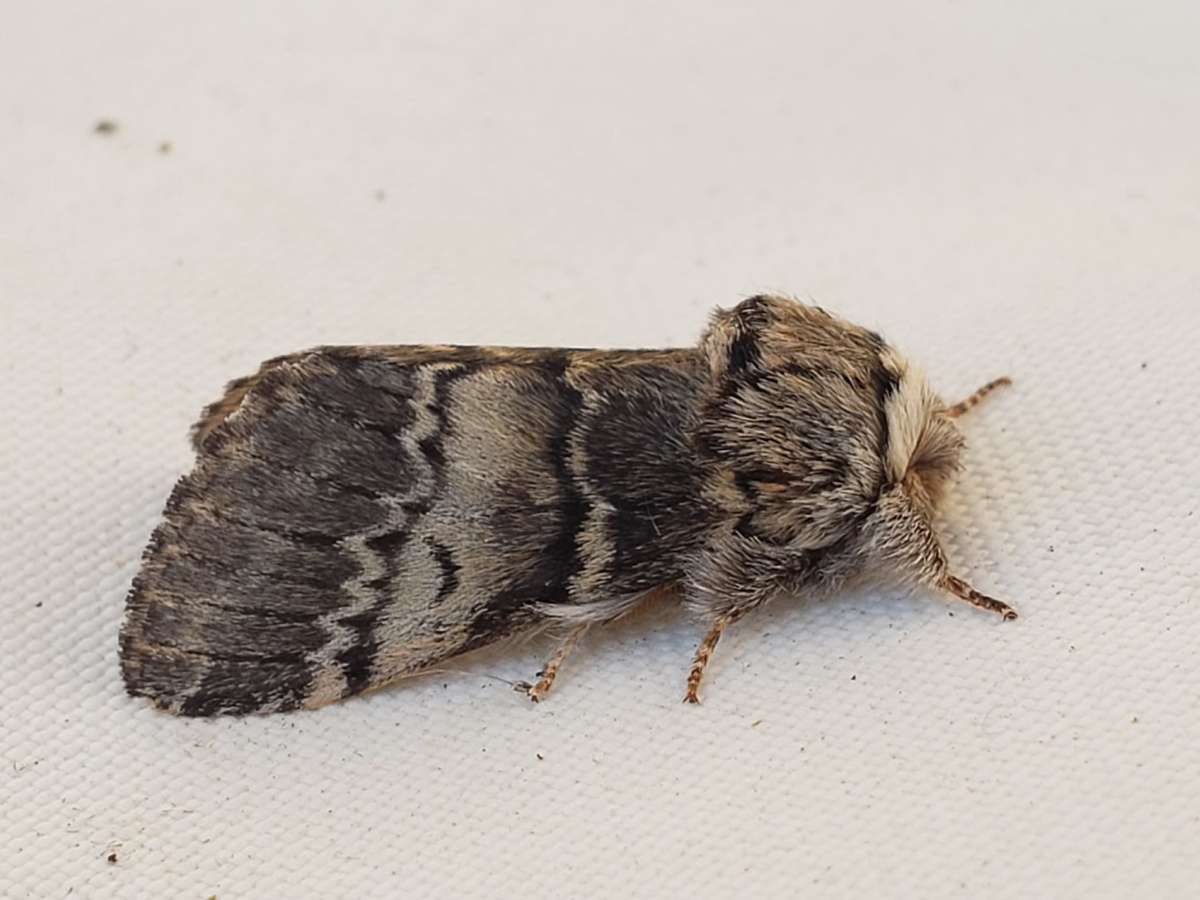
358 514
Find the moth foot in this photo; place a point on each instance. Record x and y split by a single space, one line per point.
535 692
963 591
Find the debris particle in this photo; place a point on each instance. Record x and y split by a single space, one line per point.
112 858
539 756
756 723
380 195
105 126
165 147
854 678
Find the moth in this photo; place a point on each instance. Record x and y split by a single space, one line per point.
359 514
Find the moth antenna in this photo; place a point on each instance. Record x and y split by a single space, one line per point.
964 406
963 591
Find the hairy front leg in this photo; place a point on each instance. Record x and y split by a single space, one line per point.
964 406
963 591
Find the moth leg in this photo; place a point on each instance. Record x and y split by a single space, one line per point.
974 400
964 591
537 691
705 651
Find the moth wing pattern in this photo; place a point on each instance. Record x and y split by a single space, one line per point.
358 514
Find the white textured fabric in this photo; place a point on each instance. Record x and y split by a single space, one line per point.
999 188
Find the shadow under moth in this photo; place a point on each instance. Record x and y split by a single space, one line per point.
358 514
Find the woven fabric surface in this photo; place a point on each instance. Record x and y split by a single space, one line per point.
997 191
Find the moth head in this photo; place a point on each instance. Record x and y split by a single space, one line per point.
923 455
924 445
